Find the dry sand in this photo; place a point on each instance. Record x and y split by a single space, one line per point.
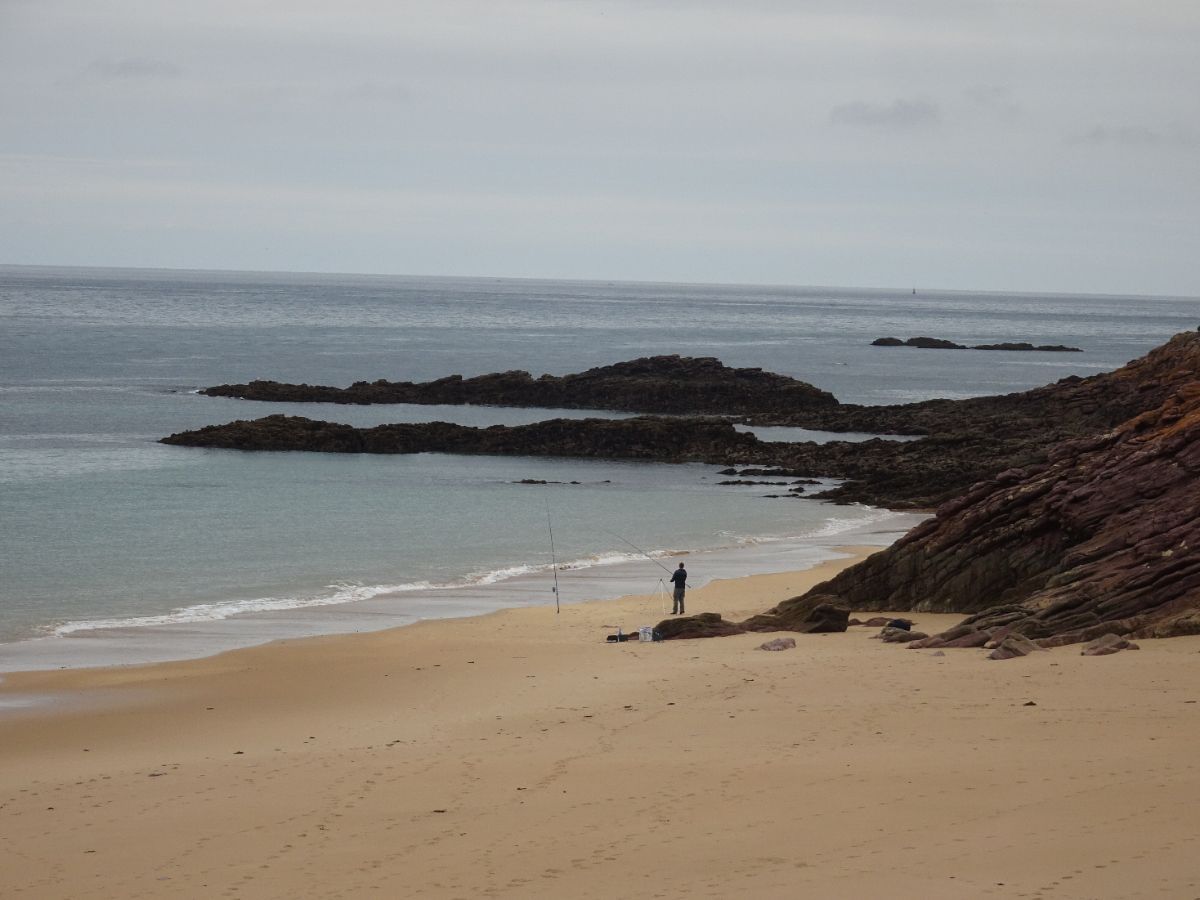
518 755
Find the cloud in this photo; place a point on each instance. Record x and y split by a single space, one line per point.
994 99
899 115
376 92
130 69
1137 136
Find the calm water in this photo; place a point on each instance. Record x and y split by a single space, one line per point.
111 541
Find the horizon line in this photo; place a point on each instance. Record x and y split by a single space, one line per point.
907 291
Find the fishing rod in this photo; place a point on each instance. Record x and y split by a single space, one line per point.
638 549
553 560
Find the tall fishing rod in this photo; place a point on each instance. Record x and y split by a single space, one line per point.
553 559
638 549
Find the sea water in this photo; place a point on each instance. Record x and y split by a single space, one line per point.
114 548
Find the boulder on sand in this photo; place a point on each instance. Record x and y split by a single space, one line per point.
1014 645
1107 644
805 617
703 625
778 644
900 635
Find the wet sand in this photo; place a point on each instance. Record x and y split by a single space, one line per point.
519 755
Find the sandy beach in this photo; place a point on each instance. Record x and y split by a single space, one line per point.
519 755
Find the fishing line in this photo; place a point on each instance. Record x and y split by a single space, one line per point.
638 549
553 559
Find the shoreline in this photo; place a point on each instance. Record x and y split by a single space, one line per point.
517 755
732 597
379 609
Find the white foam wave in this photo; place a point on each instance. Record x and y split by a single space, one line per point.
351 593
213 612
610 558
836 525
831 527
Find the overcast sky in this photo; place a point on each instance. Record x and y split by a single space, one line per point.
1013 145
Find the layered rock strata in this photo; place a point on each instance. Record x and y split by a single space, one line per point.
1098 539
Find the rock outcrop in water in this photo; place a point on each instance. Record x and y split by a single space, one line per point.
928 343
643 437
1099 538
967 441
657 384
1024 346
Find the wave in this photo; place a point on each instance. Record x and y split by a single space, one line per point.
345 593
830 528
225 609
874 516
339 594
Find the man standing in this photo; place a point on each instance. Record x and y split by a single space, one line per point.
679 579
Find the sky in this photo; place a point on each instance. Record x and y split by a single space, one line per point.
1026 145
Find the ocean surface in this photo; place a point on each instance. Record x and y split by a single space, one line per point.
114 548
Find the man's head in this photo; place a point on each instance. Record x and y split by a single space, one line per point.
681 565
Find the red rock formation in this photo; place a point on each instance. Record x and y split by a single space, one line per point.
1099 539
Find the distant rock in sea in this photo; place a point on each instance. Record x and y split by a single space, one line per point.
643 437
655 384
1045 348
929 343
966 441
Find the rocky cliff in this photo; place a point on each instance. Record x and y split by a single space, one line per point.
658 384
1099 538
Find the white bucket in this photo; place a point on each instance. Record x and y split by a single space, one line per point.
645 633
